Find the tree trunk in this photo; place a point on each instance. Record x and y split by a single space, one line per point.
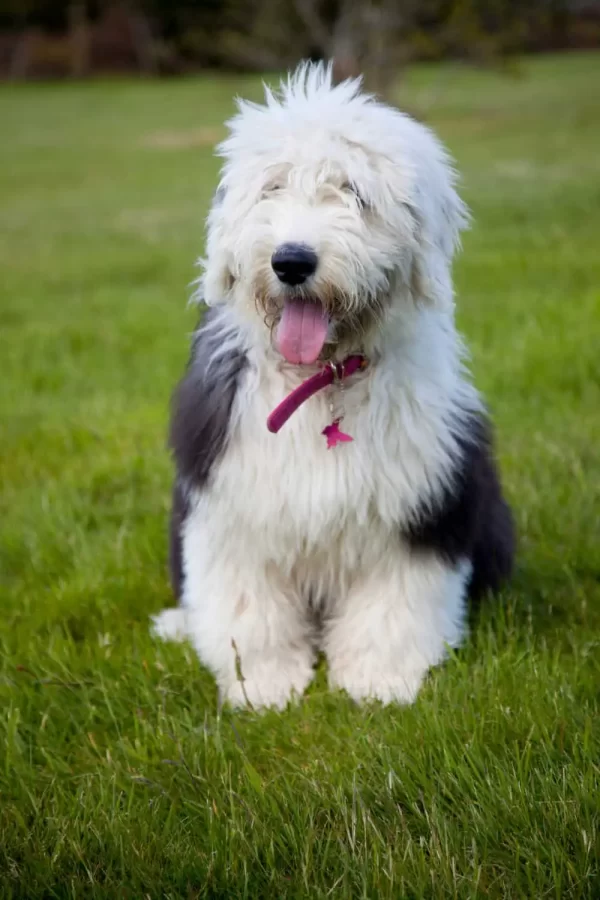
143 41
20 61
79 36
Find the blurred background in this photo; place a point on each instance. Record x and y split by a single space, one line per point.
109 115
47 38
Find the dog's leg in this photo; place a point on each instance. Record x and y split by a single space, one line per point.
248 627
255 638
394 624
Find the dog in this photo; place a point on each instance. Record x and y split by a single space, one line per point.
336 489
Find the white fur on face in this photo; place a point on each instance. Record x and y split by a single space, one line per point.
366 187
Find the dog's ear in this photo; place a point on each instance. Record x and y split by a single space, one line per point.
439 217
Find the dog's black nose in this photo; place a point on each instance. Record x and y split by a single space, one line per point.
294 263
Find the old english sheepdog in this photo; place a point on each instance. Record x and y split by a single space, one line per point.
336 489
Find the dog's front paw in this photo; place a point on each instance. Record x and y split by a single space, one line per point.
367 678
270 682
170 624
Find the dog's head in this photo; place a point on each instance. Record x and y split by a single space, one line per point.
332 209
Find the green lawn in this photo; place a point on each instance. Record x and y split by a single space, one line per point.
118 777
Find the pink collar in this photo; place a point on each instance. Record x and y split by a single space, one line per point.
329 373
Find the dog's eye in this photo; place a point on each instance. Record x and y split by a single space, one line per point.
351 188
270 190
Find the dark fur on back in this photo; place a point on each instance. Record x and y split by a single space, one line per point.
471 519
201 410
202 402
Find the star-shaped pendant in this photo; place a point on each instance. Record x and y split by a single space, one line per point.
335 436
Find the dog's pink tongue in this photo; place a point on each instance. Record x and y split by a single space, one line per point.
302 331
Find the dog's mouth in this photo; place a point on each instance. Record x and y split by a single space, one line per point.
302 331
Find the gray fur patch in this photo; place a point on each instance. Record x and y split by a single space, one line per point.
203 400
201 411
471 520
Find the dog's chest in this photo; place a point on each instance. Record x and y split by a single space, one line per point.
292 482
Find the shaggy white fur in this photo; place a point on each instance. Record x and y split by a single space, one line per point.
284 527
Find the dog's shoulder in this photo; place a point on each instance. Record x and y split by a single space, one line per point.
203 400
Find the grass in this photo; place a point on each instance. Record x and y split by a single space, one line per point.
118 777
